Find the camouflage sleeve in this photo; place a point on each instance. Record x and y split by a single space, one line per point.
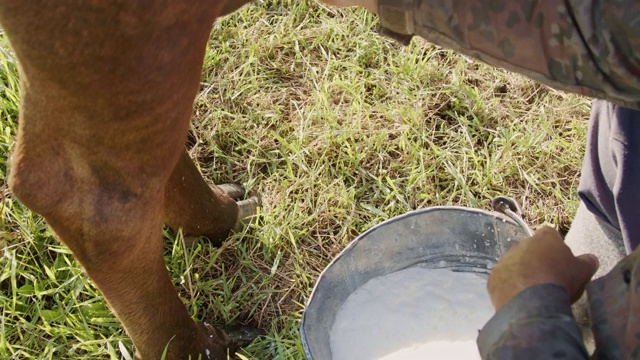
584 46
536 324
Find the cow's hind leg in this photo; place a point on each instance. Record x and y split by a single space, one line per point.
200 209
107 90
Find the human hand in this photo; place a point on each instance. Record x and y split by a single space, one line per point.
371 5
541 259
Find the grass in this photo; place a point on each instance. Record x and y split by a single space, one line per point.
338 129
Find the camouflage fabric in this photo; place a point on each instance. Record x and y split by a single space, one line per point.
586 47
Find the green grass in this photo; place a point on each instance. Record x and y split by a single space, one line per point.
337 129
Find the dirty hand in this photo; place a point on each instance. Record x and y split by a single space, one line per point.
541 259
371 5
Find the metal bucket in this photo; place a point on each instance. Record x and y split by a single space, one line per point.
456 238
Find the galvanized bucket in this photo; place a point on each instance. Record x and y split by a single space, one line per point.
456 238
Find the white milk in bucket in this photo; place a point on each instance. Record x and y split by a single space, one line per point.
415 313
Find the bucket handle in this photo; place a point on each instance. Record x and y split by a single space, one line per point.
509 207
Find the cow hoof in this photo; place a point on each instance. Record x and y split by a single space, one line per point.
246 210
240 336
234 337
232 190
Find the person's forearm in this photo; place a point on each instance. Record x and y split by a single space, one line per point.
536 324
587 47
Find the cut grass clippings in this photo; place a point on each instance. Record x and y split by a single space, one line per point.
337 129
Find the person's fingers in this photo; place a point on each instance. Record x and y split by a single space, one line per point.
548 233
590 263
540 259
587 265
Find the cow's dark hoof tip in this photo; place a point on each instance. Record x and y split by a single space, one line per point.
240 336
234 337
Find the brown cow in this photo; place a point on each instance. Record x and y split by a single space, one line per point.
107 92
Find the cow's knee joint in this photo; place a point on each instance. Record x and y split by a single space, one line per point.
39 182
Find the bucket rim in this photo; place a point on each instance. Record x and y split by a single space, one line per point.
303 337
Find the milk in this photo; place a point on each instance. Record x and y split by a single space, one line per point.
416 313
